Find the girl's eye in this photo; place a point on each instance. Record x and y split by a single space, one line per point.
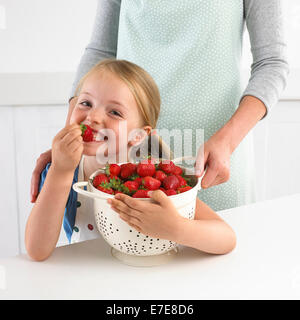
86 103
116 113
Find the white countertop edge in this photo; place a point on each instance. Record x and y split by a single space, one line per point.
53 88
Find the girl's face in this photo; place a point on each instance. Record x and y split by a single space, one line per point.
105 102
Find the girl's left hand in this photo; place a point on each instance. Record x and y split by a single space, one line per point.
157 220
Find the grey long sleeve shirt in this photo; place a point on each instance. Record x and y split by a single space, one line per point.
264 20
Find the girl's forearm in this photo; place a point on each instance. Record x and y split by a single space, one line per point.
211 236
45 220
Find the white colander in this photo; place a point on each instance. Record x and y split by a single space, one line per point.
125 238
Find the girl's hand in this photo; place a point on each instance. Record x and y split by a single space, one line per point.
67 149
215 158
157 220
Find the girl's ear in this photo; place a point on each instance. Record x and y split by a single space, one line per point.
137 136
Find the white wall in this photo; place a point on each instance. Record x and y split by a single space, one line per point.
44 35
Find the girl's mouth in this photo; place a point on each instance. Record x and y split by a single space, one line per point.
99 136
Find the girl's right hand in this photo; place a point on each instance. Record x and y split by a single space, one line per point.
67 149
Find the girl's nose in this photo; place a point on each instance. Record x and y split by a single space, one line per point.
95 115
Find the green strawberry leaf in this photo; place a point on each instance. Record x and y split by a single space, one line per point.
83 128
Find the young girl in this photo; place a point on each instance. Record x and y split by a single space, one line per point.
111 93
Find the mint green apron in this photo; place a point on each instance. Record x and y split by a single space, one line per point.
192 49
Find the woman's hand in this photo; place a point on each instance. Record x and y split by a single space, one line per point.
157 220
67 149
215 158
41 163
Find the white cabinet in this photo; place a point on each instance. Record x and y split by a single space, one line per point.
277 152
35 127
27 132
9 223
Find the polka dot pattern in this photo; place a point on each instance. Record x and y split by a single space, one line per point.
192 49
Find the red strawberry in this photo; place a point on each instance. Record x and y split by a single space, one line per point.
131 185
138 180
159 175
171 182
112 169
184 189
105 189
99 179
141 194
170 192
117 191
115 182
182 181
127 169
177 170
151 183
87 133
162 189
146 168
167 166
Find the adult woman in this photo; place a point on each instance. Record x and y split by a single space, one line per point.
192 49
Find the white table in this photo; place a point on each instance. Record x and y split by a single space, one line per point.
264 265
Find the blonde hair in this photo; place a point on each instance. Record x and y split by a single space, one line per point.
144 91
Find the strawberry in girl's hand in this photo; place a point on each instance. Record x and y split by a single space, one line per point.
171 182
99 179
146 168
127 169
87 133
141 194
151 183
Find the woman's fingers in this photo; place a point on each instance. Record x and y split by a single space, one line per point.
209 177
216 173
41 163
200 161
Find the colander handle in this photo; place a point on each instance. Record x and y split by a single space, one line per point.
78 188
180 159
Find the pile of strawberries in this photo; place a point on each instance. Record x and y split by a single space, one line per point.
137 179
